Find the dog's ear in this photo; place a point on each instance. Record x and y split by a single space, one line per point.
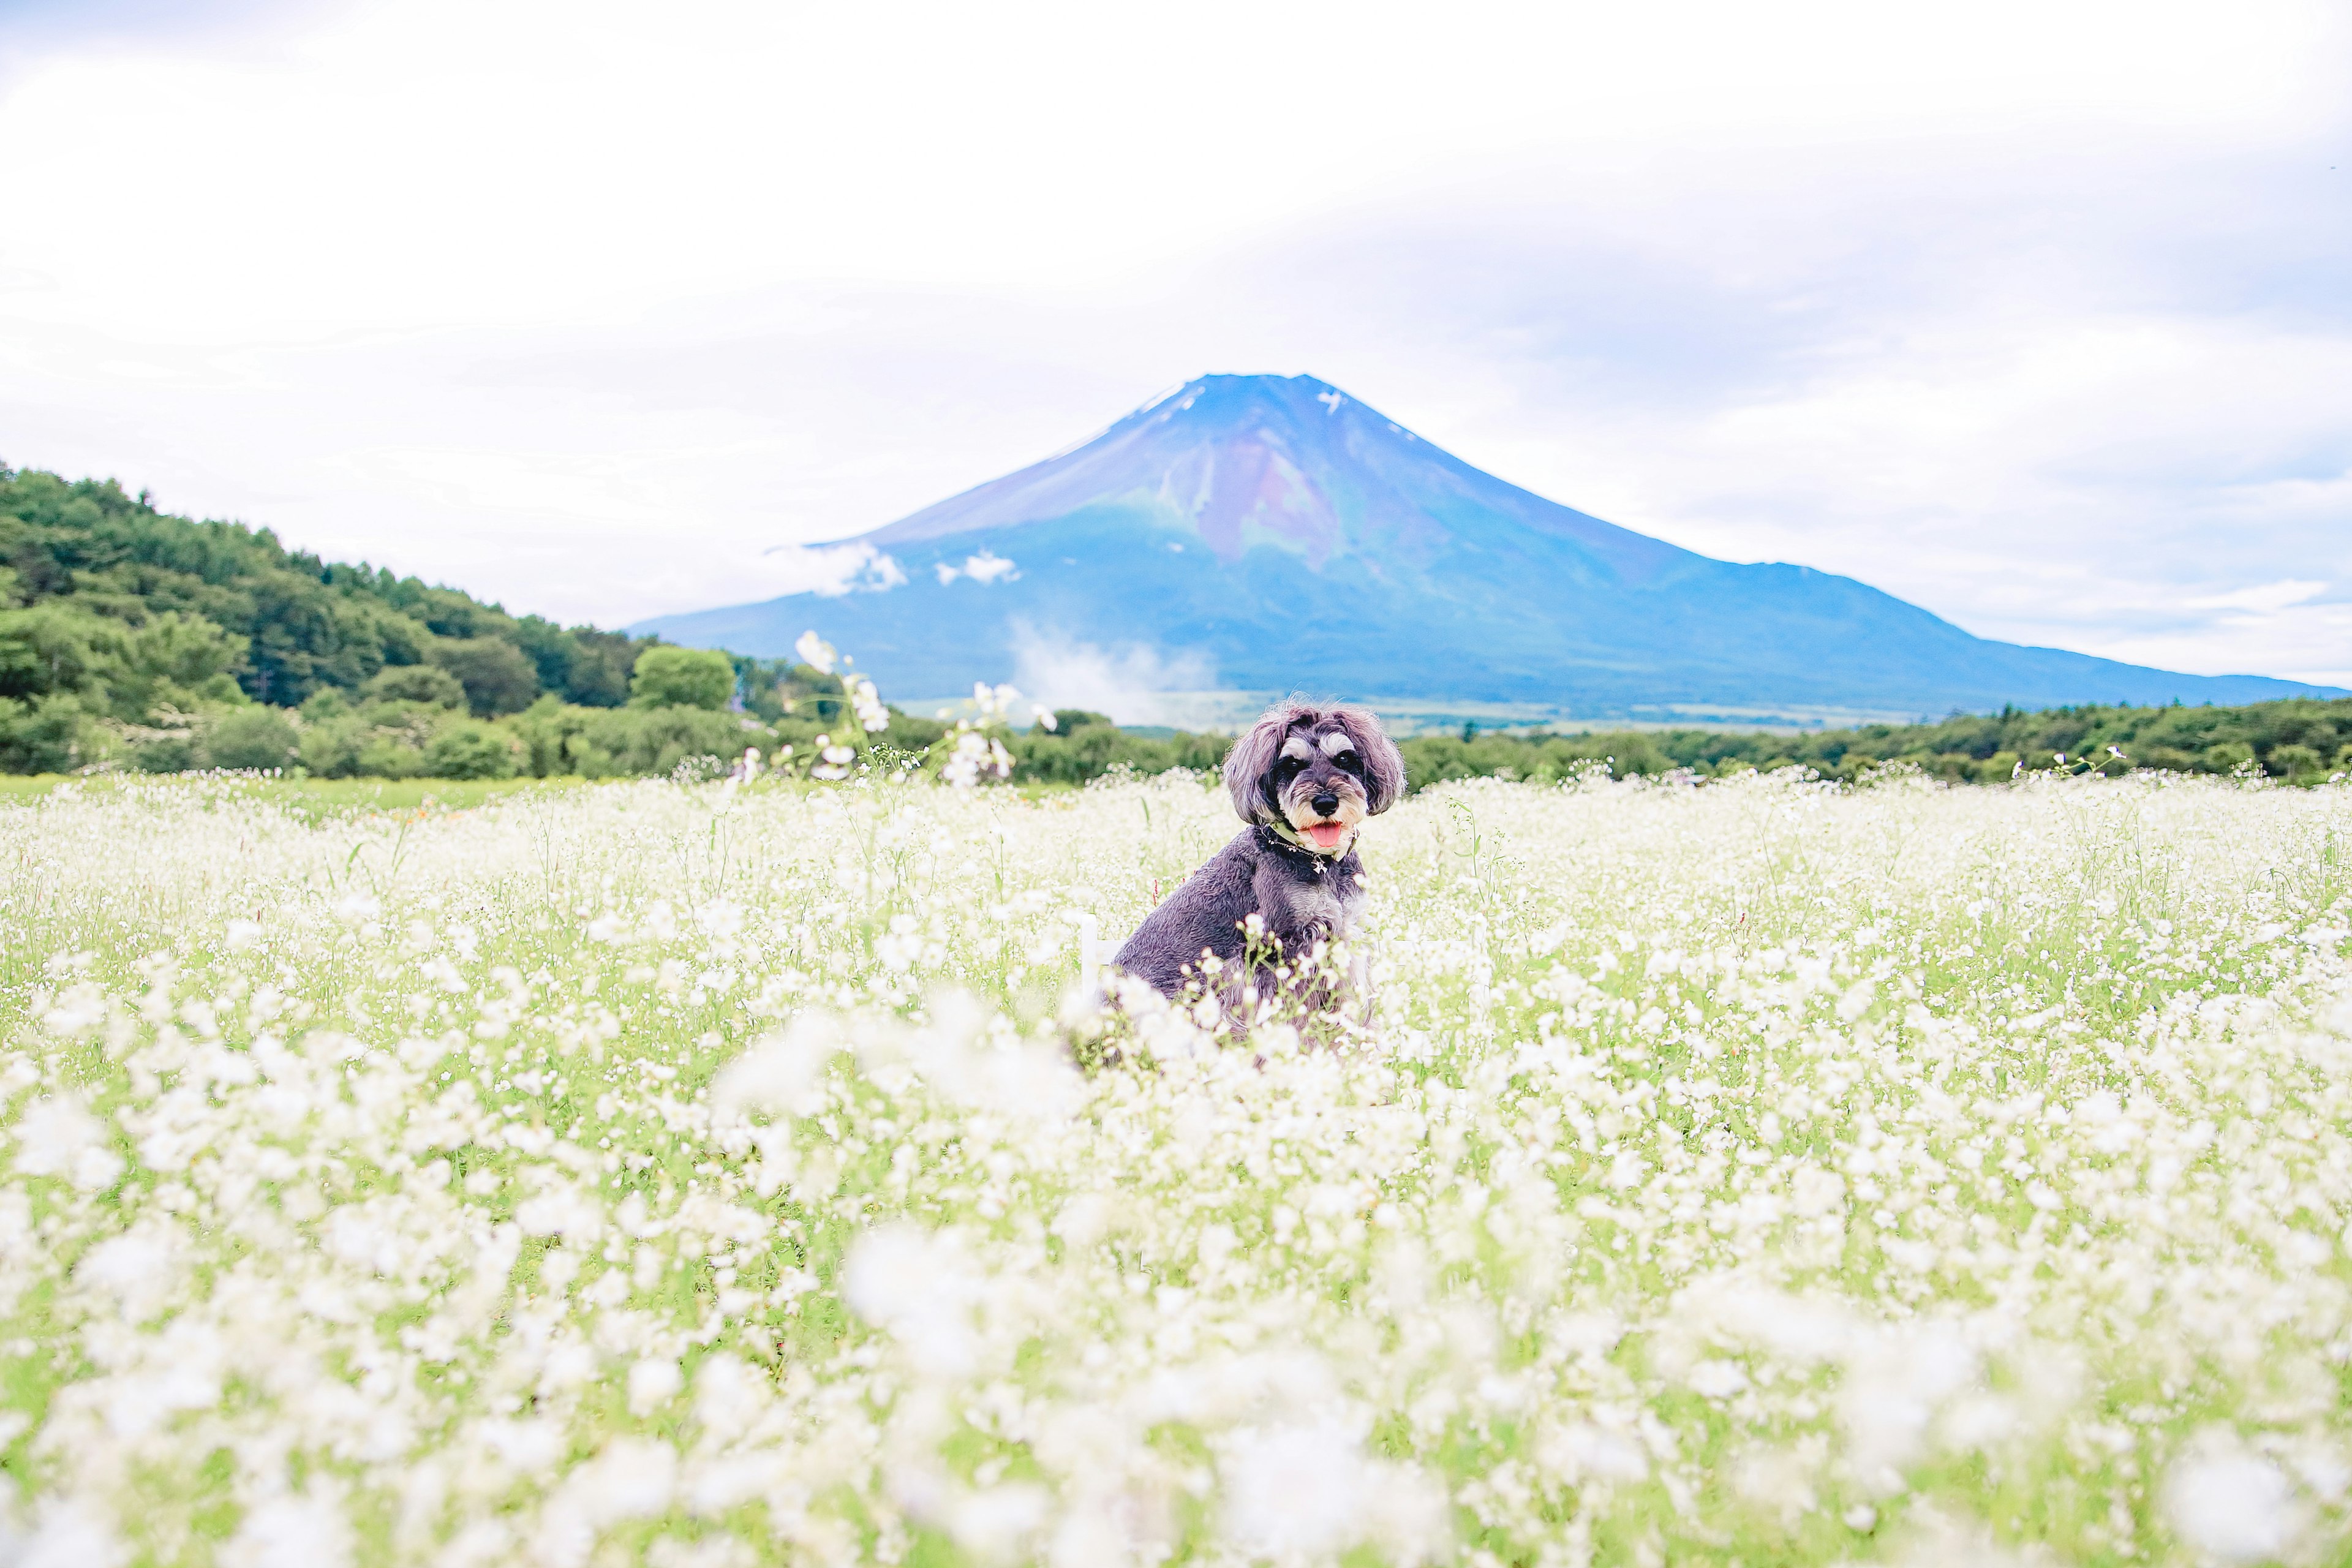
1252 759
1384 764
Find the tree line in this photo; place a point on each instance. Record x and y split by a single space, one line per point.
2302 741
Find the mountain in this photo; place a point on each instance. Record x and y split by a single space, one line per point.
1267 534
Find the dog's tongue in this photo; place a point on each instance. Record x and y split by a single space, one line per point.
1326 834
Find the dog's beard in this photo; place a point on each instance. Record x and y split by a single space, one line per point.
1326 835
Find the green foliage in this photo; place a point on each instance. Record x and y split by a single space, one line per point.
682 678
254 737
2297 764
785 691
427 683
2302 740
609 742
42 736
121 626
495 675
1085 746
469 750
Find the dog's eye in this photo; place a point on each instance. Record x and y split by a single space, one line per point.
1347 760
1287 766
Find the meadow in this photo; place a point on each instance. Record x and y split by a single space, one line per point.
1762 1170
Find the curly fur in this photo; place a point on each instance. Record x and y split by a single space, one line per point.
1304 769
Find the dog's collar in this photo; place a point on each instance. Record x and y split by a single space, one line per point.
1289 835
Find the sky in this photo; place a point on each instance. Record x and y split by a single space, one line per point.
2037 315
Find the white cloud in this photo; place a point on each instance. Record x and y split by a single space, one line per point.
828 570
2267 598
1133 684
985 567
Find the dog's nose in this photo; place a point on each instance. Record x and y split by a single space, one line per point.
1326 803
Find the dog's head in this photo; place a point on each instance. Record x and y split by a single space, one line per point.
1318 770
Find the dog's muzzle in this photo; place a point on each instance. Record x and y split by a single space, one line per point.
1331 834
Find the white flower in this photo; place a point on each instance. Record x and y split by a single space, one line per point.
913 1283
867 703
140 1269
58 1137
71 1533
996 1524
1307 1490
816 652
1815 1192
1717 1379
2230 1503
778 1069
652 1384
290 1532
1294 1491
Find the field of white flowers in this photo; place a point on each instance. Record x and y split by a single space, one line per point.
1756 1173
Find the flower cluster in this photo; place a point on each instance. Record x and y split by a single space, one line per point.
977 756
1766 1171
865 701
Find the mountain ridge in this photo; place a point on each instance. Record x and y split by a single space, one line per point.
1261 533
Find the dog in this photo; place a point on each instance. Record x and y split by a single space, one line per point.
1305 779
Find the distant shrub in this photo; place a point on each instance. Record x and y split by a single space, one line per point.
682 678
2300 764
609 742
332 747
473 751
175 753
40 736
255 737
389 754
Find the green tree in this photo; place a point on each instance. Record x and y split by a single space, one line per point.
294 624
58 648
2299 764
254 737
468 750
179 662
682 678
498 678
43 736
414 683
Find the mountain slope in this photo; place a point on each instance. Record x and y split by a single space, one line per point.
1264 533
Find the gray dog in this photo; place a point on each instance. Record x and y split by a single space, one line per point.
1304 779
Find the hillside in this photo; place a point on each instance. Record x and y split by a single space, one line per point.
1267 533
111 610
132 638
